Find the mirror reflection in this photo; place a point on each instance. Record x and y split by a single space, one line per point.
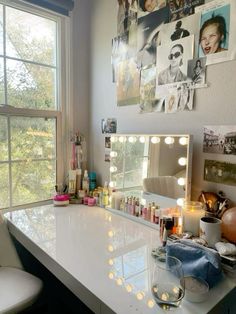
157 164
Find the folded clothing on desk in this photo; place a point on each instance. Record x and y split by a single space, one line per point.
197 260
225 248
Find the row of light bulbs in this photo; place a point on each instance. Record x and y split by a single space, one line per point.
154 139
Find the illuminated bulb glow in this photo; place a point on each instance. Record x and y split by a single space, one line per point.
155 140
110 248
169 140
119 281
132 139
176 290
110 262
129 288
150 303
111 275
113 154
113 139
112 184
182 161
122 139
113 169
180 202
142 139
165 296
183 141
181 181
110 233
140 295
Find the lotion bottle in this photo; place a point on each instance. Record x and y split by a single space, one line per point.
85 182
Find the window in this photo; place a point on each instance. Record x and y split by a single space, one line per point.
31 105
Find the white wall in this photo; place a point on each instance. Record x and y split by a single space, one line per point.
213 105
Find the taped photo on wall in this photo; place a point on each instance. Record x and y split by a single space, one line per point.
217 40
172 60
148 33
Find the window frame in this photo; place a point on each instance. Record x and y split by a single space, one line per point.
63 44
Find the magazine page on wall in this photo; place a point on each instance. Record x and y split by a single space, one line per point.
172 61
187 26
217 40
148 32
182 8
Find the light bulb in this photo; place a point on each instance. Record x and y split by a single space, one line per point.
129 288
121 139
150 303
110 262
113 154
111 275
113 169
142 139
113 139
112 184
155 140
119 281
110 248
140 295
132 139
169 140
181 181
182 161
180 202
110 233
183 140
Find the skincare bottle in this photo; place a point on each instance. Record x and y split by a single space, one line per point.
137 208
85 182
105 192
72 182
78 180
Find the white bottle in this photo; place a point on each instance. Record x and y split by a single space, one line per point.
85 182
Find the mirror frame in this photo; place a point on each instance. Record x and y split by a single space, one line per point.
188 177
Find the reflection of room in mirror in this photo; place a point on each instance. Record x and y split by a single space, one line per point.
158 164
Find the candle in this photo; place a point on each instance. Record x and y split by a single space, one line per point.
192 213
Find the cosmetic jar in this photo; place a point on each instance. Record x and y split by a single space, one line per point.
196 289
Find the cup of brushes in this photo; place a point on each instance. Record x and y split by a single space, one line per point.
61 198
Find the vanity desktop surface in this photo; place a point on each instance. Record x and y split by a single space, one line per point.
97 254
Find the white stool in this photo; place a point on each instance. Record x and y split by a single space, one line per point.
18 289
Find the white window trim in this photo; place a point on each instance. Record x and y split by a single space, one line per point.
64 115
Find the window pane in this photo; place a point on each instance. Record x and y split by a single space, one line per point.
4 186
3 139
33 138
30 86
30 37
33 181
2 92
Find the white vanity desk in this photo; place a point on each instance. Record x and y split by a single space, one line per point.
96 254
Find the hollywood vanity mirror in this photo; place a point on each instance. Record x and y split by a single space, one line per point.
150 168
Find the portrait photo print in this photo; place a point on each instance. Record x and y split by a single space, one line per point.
214 31
223 47
172 60
197 71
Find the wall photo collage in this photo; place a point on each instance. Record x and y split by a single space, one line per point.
163 48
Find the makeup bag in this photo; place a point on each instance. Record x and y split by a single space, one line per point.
197 260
